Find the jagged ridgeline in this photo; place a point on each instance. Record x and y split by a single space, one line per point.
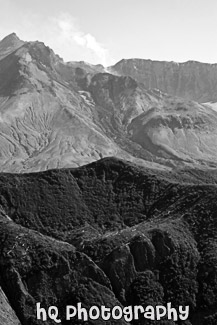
109 233
55 114
108 195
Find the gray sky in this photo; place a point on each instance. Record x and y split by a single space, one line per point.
105 31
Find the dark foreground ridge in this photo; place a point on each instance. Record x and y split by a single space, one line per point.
109 233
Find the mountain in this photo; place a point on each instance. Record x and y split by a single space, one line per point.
127 235
134 221
9 44
56 114
48 116
190 80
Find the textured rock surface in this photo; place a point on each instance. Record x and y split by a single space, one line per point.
126 235
7 315
111 232
35 268
9 44
190 80
55 114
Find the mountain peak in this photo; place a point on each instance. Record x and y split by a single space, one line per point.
11 38
9 44
11 41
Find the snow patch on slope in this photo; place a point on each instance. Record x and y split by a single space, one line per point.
212 105
87 97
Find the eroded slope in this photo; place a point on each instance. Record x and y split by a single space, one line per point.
55 114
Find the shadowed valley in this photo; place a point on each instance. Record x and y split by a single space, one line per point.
107 185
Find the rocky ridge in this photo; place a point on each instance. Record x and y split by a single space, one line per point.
55 114
127 235
191 80
137 228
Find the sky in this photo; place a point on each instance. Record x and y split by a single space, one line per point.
106 31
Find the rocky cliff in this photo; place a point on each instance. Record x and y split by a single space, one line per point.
126 235
190 80
135 228
55 114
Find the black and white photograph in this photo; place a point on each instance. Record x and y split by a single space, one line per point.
108 162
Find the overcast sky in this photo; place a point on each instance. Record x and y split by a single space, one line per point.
105 31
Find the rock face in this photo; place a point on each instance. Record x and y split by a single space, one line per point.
190 80
36 268
109 233
9 44
55 114
7 315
